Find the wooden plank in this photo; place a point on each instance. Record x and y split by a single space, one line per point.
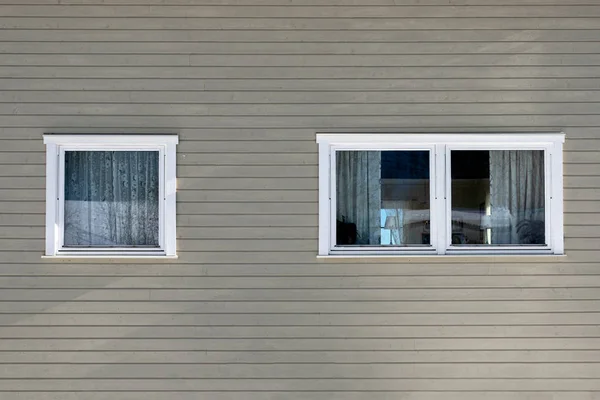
305 72
316 344
249 171
162 309
298 48
294 357
327 388
298 97
299 332
582 219
588 169
246 159
582 181
349 269
318 123
245 208
308 395
582 194
323 295
284 110
306 371
314 320
291 23
250 35
243 220
300 282
299 2
168 11
211 85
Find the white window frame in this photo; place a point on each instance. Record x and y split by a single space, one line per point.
440 146
57 144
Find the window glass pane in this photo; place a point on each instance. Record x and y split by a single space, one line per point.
498 197
111 198
383 198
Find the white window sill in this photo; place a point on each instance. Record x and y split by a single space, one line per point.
110 256
450 257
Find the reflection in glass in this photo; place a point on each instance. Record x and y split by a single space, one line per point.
111 198
383 198
498 197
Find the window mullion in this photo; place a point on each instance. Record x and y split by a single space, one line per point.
438 219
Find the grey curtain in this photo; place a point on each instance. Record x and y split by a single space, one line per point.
517 196
359 193
111 198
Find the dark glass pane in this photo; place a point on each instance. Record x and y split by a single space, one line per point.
111 199
498 197
383 198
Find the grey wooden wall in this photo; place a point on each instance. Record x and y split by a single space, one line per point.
248 312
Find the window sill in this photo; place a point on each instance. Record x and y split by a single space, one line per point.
446 257
110 256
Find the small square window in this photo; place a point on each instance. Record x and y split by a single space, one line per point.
440 194
110 195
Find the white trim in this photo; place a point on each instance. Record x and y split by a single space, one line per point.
111 256
57 144
51 198
439 146
132 140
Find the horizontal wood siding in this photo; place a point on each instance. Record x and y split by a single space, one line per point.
247 312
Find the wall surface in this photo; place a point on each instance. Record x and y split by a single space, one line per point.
247 312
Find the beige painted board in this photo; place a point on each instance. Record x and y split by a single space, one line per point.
175 333
348 268
168 11
391 96
61 84
299 2
309 395
250 35
306 371
304 72
290 281
325 395
284 110
317 123
162 309
345 48
297 357
299 344
291 23
344 386
286 294
314 320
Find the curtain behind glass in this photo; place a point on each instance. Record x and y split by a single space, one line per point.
111 198
359 195
517 196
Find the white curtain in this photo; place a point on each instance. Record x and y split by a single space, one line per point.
517 196
111 198
359 193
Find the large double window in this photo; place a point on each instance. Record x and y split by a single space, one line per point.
110 195
440 194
